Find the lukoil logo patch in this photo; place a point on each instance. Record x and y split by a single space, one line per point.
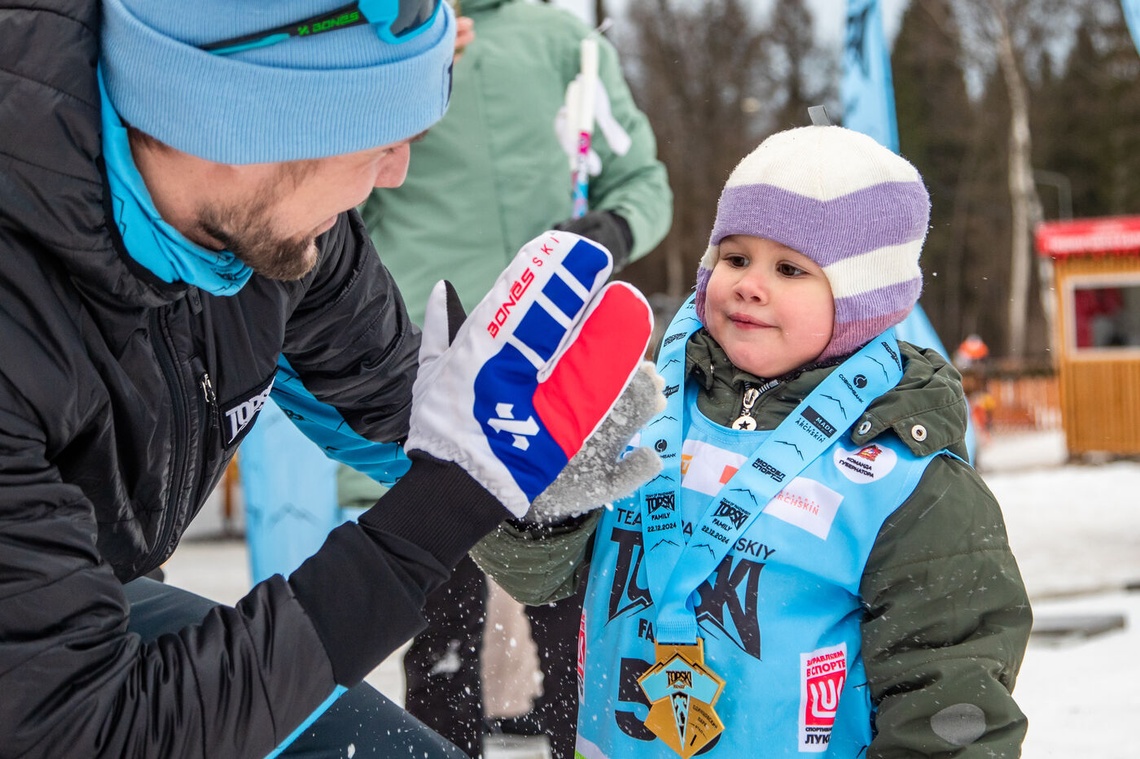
867 464
823 673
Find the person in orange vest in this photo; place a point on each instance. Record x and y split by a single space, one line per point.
972 350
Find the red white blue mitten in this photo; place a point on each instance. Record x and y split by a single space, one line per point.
606 470
532 372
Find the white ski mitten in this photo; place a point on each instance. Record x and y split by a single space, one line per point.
532 372
598 474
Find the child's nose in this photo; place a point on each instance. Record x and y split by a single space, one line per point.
754 287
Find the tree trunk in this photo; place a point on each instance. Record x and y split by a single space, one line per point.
1025 205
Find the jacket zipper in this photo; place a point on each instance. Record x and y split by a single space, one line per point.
164 352
211 424
211 415
746 421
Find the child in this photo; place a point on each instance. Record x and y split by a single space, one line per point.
816 570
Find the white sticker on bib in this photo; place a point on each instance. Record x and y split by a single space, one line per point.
807 504
869 463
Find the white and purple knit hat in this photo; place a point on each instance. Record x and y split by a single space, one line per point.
846 202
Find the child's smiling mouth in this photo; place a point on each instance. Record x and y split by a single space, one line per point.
748 322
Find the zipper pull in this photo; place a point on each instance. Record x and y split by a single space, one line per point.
745 421
207 388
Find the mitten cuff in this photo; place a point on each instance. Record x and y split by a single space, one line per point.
437 506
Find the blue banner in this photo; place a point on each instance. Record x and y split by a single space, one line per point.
869 107
866 88
1132 16
290 494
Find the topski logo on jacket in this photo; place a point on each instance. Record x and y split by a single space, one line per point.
238 415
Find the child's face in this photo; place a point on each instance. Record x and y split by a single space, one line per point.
768 306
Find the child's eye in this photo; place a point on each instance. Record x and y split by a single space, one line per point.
735 260
789 270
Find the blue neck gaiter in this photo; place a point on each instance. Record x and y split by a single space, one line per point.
149 240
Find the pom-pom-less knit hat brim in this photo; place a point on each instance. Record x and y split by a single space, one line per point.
849 204
308 97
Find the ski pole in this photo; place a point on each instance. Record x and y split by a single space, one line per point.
584 122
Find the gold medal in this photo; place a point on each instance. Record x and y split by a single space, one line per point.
681 692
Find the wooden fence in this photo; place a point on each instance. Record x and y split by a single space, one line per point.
1016 403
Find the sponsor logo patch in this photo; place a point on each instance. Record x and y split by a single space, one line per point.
518 288
660 501
853 385
705 468
764 467
807 504
815 424
823 673
867 464
238 415
731 512
520 430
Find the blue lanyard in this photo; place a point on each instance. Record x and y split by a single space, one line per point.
675 568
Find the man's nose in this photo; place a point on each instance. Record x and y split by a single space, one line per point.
393 167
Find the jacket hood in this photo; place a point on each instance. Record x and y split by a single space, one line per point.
926 410
53 187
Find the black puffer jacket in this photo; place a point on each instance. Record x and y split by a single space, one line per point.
113 390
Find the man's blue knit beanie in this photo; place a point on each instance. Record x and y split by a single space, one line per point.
307 97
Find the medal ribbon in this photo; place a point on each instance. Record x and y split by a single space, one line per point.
675 568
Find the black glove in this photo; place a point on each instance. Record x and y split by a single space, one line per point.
605 228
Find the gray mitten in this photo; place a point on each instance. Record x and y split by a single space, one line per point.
596 475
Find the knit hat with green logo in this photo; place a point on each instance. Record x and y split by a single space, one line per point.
306 97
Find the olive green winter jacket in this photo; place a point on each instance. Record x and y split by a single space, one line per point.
947 617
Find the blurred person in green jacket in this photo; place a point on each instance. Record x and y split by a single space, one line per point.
491 175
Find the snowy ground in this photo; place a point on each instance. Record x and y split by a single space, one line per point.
1076 532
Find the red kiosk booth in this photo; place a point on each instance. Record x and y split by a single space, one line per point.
1096 267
